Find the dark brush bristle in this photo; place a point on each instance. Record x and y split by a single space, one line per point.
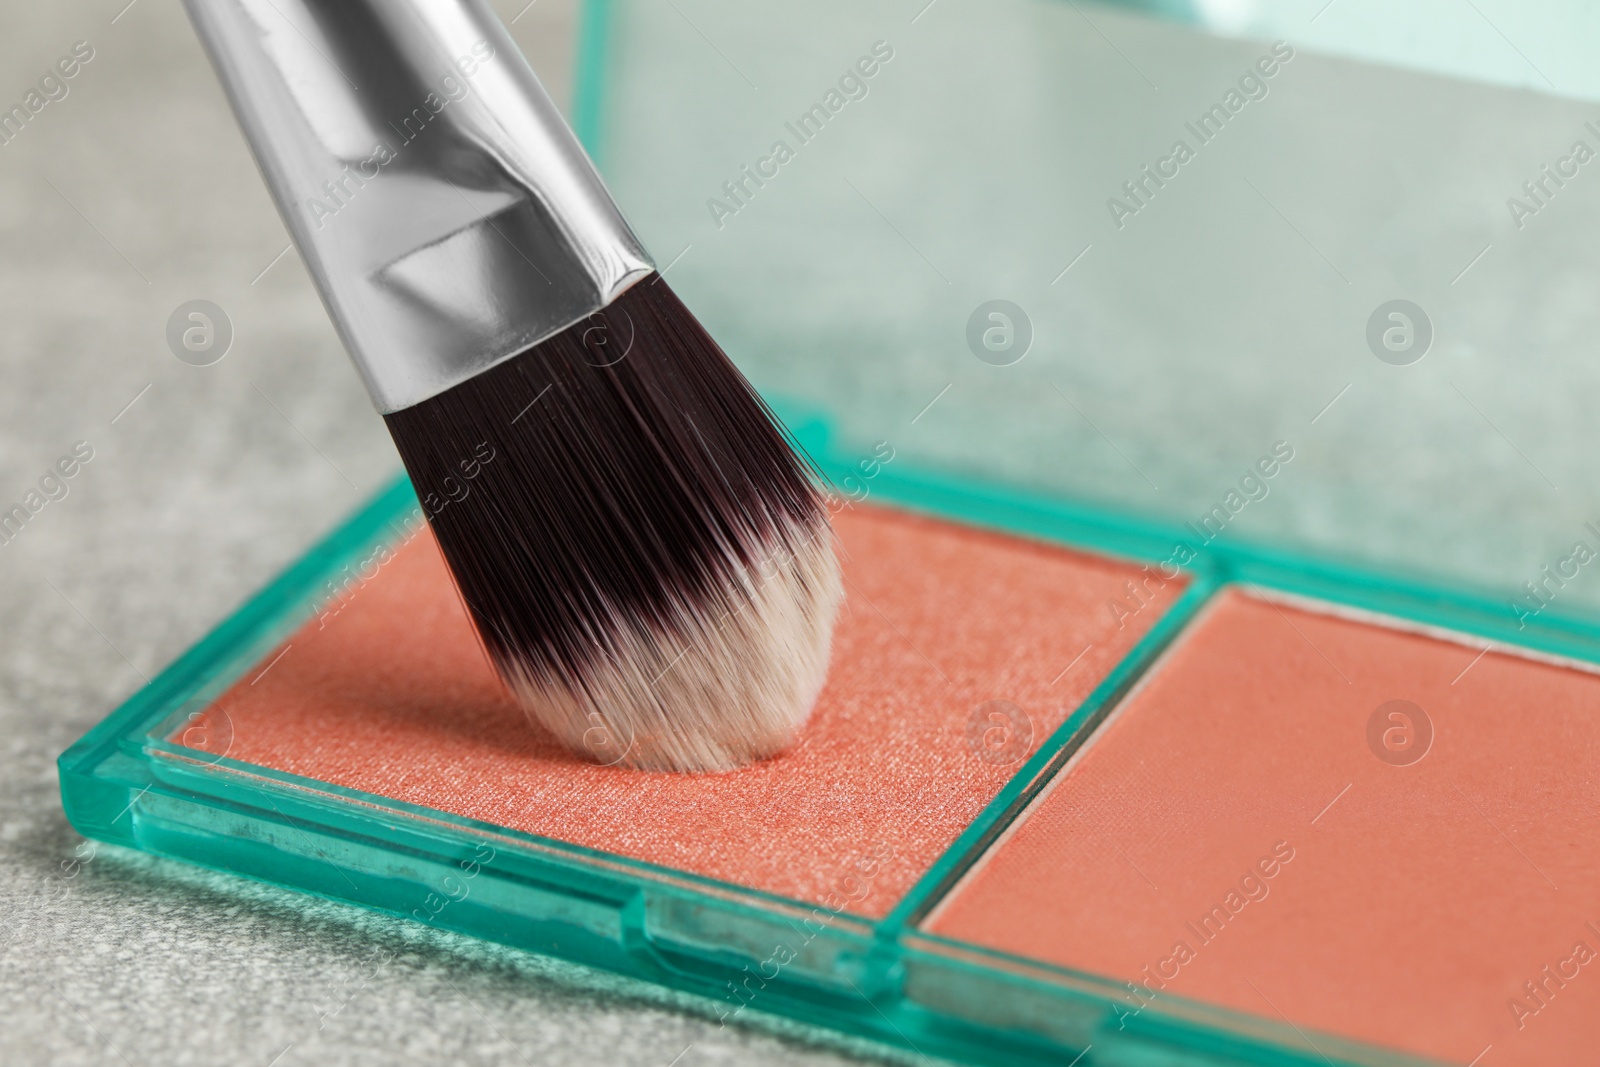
647 559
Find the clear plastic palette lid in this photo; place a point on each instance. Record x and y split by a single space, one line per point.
1317 277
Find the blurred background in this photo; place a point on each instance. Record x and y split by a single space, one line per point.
1374 254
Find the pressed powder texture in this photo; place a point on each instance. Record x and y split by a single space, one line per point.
392 695
1414 905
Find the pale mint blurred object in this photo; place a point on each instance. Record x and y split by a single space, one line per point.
1181 331
1543 45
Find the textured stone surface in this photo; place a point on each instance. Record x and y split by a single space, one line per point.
129 196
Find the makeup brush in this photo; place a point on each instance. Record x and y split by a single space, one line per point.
646 558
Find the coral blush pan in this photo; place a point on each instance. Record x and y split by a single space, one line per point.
1232 835
391 695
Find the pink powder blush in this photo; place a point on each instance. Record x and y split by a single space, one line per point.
1448 906
393 696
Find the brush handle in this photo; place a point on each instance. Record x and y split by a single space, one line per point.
444 208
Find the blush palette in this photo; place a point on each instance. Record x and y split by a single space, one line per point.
1056 799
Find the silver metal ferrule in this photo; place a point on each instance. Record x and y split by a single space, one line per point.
446 211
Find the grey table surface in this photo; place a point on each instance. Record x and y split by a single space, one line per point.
126 197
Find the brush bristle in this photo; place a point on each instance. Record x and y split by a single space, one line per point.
647 559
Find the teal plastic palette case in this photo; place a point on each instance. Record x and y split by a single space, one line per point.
965 229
